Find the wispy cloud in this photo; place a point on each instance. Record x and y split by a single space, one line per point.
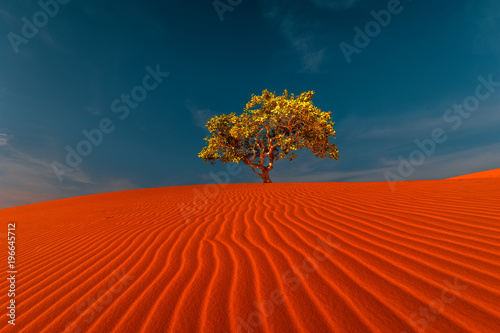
412 124
8 17
389 126
200 116
311 169
311 59
455 163
311 174
375 142
25 179
4 139
334 4
49 40
297 30
487 20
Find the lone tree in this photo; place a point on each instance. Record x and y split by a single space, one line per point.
270 129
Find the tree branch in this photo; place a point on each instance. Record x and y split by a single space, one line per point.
254 170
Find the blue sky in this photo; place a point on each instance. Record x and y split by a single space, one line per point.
74 69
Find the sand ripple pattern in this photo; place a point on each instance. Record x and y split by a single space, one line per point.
294 257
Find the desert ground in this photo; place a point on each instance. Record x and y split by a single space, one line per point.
281 257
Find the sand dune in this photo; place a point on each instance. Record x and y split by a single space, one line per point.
495 173
295 257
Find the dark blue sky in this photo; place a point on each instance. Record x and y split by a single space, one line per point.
80 66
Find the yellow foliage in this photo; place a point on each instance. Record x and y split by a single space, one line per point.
271 126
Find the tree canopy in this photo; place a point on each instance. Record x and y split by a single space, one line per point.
270 129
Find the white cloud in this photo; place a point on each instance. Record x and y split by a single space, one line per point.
200 116
366 175
25 179
311 169
4 139
298 32
409 125
311 60
455 163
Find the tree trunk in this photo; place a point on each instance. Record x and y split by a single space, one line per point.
265 176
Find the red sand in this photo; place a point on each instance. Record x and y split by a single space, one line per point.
424 257
495 173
